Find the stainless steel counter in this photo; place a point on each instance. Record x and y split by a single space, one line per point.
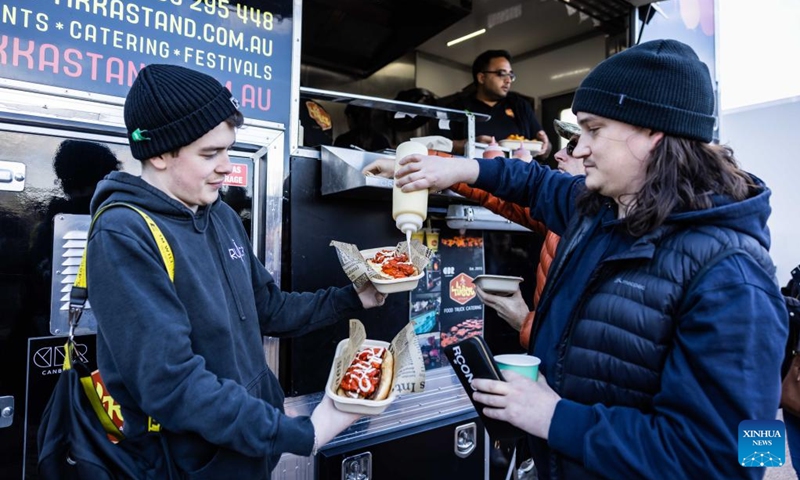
443 397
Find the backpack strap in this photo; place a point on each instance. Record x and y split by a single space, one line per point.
77 302
79 292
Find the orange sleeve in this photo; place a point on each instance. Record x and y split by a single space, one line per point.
546 256
525 331
512 211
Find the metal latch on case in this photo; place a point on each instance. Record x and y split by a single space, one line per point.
357 467
465 439
6 411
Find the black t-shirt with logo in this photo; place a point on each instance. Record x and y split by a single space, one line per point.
511 115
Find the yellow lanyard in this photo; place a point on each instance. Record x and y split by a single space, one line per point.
79 294
78 297
158 235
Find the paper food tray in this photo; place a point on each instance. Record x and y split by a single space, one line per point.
396 284
357 405
498 284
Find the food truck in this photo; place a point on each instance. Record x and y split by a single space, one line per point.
65 68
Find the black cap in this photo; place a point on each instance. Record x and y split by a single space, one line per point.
169 107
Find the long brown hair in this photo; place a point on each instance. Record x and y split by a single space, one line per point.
682 175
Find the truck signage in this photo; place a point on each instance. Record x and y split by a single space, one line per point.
99 46
238 176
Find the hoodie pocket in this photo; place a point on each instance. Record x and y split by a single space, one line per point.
152 456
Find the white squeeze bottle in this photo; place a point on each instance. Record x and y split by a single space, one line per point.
493 150
409 209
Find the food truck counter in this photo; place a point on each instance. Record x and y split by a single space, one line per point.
441 415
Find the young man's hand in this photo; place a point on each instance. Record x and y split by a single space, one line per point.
328 421
369 296
519 401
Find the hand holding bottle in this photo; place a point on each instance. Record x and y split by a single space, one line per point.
409 208
419 172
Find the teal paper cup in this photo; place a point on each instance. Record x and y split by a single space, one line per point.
525 365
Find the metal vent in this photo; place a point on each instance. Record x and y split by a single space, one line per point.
69 242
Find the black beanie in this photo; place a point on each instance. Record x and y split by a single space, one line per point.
661 85
169 107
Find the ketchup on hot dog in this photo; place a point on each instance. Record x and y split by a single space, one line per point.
363 375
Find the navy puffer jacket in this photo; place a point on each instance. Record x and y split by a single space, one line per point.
662 346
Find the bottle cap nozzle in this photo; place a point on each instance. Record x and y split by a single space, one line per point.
407 227
408 222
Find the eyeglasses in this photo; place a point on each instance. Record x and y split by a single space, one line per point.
571 145
503 74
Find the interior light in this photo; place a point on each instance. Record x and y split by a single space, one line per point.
572 73
466 37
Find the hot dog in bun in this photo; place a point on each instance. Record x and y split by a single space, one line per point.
369 375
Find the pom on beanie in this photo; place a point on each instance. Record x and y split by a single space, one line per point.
169 107
661 85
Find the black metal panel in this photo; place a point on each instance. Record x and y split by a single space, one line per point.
422 453
310 264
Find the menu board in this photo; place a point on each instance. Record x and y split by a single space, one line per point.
99 46
445 308
462 310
